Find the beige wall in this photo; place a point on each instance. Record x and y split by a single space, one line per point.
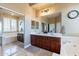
71 25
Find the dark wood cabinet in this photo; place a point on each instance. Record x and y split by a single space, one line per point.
45 42
49 43
33 40
55 45
20 37
38 41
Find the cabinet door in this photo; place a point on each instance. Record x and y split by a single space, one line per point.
55 45
38 41
20 37
45 43
33 40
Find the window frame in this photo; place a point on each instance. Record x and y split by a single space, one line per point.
10 25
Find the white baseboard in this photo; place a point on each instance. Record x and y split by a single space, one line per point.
27 46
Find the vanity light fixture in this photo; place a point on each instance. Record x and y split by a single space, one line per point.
45 10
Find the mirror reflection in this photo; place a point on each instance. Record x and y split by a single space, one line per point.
53 23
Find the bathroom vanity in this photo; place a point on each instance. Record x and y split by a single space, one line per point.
20 37
46 41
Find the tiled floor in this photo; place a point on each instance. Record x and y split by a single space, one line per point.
15 49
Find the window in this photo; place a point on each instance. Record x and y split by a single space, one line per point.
10 24
6 25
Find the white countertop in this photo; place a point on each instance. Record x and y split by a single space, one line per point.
49 34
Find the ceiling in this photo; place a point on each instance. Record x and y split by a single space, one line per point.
31 4
39 6
2 10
